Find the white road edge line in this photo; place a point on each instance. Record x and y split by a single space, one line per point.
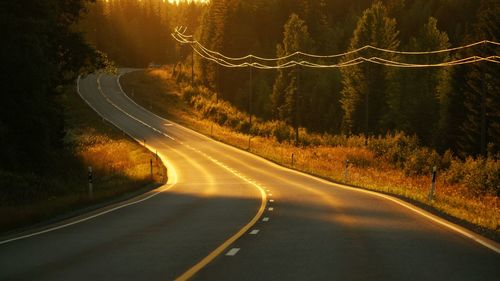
490 244
171 183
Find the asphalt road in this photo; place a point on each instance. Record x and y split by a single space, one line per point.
228 215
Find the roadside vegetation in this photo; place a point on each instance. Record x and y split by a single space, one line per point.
121 169
467 189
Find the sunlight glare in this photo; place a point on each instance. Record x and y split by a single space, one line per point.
178 1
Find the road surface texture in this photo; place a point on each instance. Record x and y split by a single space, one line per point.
228 215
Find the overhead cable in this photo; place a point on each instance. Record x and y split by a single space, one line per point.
282 62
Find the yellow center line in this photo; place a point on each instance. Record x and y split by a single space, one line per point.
206 260
202 263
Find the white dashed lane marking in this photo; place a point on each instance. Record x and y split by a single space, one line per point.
271 200
265 219
232 252
255 231
271 209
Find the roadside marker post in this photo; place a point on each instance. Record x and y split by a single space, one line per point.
151 168
292 160
346 171
91 181
156 157
433 185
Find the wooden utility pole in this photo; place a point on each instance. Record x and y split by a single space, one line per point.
192 66
367 101
297 106
250 94
484 128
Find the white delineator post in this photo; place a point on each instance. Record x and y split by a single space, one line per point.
91 181
433 185
346 171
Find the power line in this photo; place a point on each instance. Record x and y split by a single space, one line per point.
281 62
183 39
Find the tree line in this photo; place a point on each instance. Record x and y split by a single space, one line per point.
137 33
40 54
447 108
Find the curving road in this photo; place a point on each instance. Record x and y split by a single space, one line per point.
228 215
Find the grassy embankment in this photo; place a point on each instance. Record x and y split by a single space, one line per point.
121 169
467 191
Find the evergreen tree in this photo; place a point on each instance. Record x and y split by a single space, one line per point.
41 53
414 106
365 86
288 90
481 127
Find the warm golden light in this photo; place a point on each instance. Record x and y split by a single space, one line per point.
178 1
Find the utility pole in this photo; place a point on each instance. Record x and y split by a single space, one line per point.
217 86
192 66
483 114
297 107
367 103
250 93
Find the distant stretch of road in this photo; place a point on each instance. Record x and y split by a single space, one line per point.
226 214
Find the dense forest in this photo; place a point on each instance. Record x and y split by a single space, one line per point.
41 53
453 108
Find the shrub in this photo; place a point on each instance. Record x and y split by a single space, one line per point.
281 131
480 176
188 93
361 158
421 161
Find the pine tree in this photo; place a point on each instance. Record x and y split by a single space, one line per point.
287 93
481 127
364 94
414 105
42 52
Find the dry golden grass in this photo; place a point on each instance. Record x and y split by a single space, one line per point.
121 169
365 170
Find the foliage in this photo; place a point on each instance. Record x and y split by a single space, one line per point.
367 98
414 105
42 52
287 94
399 150
394 163
365 92
480 175
120 166
481 126
137 33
